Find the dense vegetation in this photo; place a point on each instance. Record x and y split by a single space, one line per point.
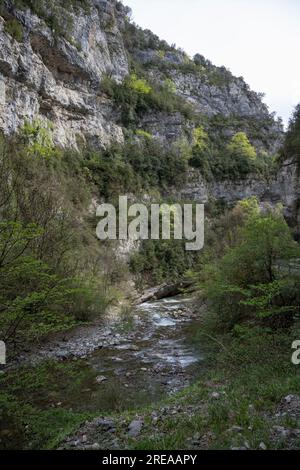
291 147
251 280
136 96
54 273
143 163
249 283
50 263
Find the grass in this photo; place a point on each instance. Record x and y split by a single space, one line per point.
251 378
37 404
233 404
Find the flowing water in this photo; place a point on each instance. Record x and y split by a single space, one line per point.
159 358
148 356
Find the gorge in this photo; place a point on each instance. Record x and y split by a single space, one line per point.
140 344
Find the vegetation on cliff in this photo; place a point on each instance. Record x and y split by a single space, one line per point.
54 273
291 147
50 265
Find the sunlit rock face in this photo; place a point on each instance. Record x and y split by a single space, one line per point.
49 76
56 74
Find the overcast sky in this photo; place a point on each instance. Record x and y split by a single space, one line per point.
256 39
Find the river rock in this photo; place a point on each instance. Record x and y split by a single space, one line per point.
262 446
135 427
100 379
106 424
95 446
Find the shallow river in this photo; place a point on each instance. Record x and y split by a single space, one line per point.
158 359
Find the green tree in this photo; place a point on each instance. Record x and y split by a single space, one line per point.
251 278
291 147
240 147
140 85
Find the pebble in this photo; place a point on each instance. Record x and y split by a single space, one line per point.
100 379
262 446
95 446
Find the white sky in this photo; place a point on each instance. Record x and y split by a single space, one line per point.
256 39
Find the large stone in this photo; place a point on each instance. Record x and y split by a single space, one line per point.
135 427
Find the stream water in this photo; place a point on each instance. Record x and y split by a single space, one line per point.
157 358
146 357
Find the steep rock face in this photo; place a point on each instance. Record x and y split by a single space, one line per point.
210 95
49 76
212 91
283 188
56 75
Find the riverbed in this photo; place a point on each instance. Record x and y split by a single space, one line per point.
138 360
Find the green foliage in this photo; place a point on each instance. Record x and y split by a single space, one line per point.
156 165
161 261
201 138
143 164
50 270
240 147
14 28
291 146
139 85
248 281
143 134
237 159
109 172
201 157
137 38
135 97
37 137
29 415
55 13
170 86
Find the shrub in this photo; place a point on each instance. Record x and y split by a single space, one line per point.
14 28
240 147
161 261
45 241
135 97
291 146
249 281
142 164
139 85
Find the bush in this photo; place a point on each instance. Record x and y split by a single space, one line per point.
161 261
45 241
14 28
140 164
234 160
240 147
250 281
291 147
135 97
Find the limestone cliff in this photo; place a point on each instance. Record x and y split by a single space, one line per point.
54 75
54 69
54 56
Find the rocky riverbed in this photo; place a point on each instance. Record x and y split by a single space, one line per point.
137 359
154 358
